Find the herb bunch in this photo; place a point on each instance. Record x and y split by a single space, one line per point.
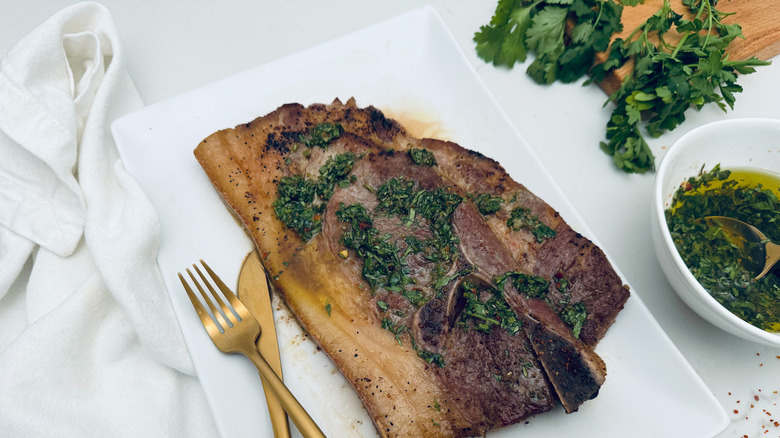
667 78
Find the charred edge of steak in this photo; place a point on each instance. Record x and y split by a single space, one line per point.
574 379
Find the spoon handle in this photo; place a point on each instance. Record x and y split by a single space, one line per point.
772 257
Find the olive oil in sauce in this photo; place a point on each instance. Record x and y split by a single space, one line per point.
749 195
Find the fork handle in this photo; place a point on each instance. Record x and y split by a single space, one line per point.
297 413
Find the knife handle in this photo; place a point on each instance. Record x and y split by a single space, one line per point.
297 413
275 410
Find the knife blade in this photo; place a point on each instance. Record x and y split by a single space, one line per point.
253 292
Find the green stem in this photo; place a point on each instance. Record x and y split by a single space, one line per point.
680 44
484 318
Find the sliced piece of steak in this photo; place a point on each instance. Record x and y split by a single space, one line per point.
550 337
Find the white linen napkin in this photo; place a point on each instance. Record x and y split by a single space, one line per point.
89 345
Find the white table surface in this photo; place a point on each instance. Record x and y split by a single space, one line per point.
174 46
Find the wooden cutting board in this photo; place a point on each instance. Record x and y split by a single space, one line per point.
760 21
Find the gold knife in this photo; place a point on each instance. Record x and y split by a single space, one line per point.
253 292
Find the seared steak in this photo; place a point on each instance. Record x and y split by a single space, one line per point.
453 299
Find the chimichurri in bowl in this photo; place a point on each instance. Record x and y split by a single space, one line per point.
715 260
738 145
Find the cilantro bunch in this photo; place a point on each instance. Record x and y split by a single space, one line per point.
667 78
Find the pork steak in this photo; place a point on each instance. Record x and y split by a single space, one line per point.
453 299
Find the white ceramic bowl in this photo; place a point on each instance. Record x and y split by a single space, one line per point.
736 143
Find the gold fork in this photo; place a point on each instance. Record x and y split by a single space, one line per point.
238 334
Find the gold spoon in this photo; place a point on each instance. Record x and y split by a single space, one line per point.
762 256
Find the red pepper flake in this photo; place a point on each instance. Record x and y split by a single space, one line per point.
736 411
755 397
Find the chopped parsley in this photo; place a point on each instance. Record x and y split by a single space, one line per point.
395 197
415 296
296 205
402 198
561 282
488 204
321 135
524 367
710 254
484 315
382 265
444 280
521 219
574 315
414 245
531 286
434 358
295 208
334 171
387 324
423 157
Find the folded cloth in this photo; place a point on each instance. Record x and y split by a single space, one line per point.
89 345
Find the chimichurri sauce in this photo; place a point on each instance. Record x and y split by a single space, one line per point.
746 195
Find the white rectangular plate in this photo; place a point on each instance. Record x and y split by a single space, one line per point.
411 68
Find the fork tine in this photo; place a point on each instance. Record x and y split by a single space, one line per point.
226 311
217 314
211 327
231 297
